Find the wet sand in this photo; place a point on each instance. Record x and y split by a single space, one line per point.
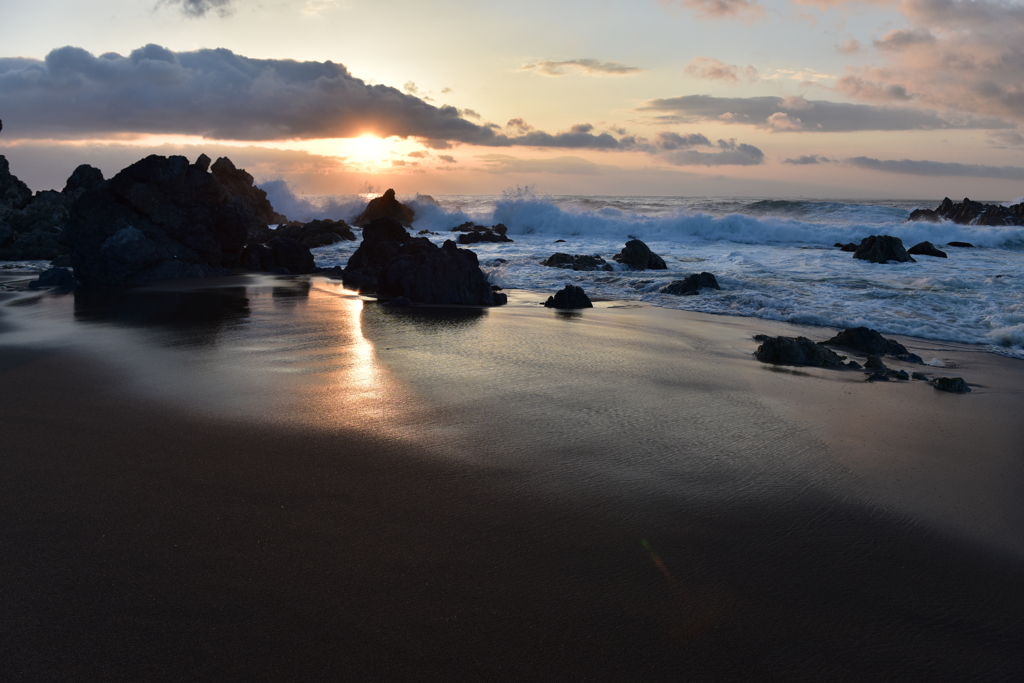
275 481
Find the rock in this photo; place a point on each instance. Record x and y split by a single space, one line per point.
962 245
58 278
557 241
926 249
399 302
850 247
969 212
569 296
392 263
639 256
918 375
875 363
870 342
479 233
385 206
899 374
316 233
798 351
84 178
926 215
14 194
576 262
955 385
853 365
692 284
281 255
882 249
163 218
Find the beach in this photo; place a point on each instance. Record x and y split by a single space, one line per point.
262 478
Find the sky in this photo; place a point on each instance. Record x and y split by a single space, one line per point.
774 98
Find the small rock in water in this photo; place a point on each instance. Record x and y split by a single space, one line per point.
569 296
882 249
926 249
639 256
850 246
954 385
692 284
962 245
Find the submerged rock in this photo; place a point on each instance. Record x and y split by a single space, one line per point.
385 206
479 233
882 249
576 262
569 296
870 342
955 385
639 256
926 249
795 351
962 245
692 284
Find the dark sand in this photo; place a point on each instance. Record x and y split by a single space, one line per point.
269 481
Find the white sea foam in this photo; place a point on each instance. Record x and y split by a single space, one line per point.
773 258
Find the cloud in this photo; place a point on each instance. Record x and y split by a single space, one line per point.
220 95
807 160
938 168
904 38
858 88
447 158
678 150
712 69
1005 138
199 8
745 10
668 141
590 67
815 115
418 155
504 163
850 47
783 122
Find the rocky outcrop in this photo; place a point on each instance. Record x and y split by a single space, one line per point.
926 249
281 255
391 263
868 341
692 284
924 215
14 194
954 385
479 233
576 262
569 296
882 249
850 246
316 233
165 218
56 278
968 212
639 256
795 351
385 206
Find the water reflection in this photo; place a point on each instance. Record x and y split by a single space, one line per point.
190 316
425 318
290 293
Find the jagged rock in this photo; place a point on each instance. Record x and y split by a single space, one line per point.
918 375
479 233
163 218
798 351
83 178
576 262
926 215
316 233
14 194
926 249
569 296
955 385
691 284
58 278
392 263
882 249
870 342
385 206
875 363
962 245
639 256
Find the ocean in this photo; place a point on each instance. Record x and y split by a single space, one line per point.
774 258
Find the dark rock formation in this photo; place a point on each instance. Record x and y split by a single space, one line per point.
954 385
850 247
926 249
316 233
925 215
14 194
798 351
479 233
692 284
639 256
870 342
962 245
576 262
164 218
392 263
85 177
281 255
385 206
882 249
920 376
58 278
569 296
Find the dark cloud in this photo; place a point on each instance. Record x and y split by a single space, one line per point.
592 67
904 38
807 160
220 95
813 115
447 158
672 141
418 155
1007 138
199 8
857 87
938 168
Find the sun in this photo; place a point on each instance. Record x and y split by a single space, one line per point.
365 149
